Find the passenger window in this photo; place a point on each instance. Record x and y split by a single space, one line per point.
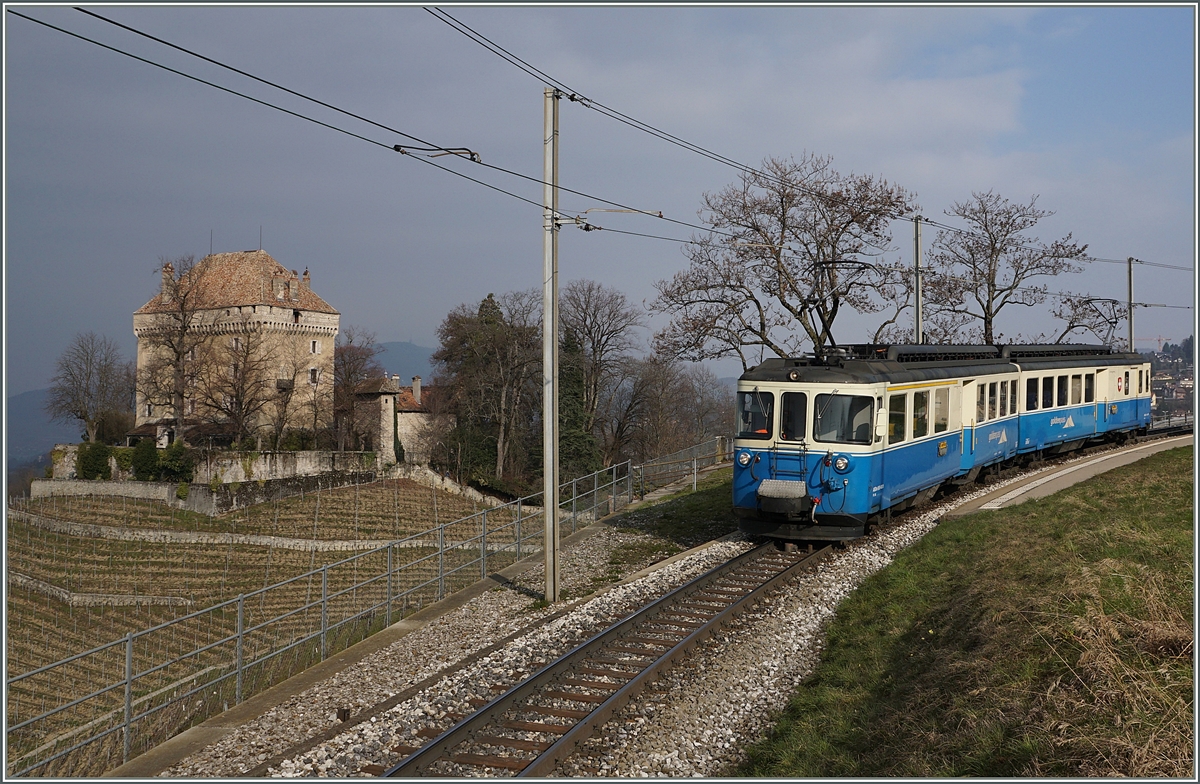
1089 388
1076 390
1126 382
1062 390
1031 385
897 414
793 416
920 420
992 400
941 410
981 404
1003 398
1139 382
1048 392
1012 396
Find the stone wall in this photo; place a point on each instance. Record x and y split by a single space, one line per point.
217 499
226 467
154 491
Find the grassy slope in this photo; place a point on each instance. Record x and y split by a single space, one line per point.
1051 638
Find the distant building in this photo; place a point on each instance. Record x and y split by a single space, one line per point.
256 354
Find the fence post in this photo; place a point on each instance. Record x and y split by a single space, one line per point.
388 612
693 474
128 693
442 562
483 548
574 494
241 626
595 495
324 607
518 529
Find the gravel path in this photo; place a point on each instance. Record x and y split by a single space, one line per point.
694 722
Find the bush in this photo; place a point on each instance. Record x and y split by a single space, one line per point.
124 456
91 462
181 492
175 463
145 460
297 441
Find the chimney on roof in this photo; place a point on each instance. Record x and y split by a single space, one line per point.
294 286
168 280
396 377
306 281
277 285
417 390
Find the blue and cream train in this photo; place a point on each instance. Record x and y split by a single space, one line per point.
826 445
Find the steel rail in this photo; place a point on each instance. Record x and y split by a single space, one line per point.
710 605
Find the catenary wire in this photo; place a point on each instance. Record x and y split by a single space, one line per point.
574 95
430 145
201 81
533 71
444 149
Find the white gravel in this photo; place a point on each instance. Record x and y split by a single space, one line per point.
694 722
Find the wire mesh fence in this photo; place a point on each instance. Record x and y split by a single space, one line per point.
88 712
684 464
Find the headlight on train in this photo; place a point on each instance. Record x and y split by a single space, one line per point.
744 459
841 463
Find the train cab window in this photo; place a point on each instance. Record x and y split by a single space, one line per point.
756 412
897 414
1031 397
1003 398
1012 396
981 404
920 416
842 419
1076 390
1062 390
1139 382
793 416
1048 392
1126 382
941 410
1089 388
991 412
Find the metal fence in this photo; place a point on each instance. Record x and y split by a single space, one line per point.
681 465
89 712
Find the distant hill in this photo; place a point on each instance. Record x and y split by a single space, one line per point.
30 431
406 360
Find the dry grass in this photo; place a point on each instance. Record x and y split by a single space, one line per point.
1053 638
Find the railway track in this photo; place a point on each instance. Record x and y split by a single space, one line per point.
531 727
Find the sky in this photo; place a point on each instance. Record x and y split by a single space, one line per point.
112 164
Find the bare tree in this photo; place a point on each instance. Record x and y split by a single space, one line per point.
979 272
91 383
234 380
603 321
354 361
172 339
790 246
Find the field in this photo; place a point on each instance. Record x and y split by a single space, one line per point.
1053 638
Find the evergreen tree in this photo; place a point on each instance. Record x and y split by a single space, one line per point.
578 452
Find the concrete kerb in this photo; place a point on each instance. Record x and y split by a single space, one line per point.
176 749
1054 478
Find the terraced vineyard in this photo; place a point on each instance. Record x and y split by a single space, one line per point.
386 509
182 613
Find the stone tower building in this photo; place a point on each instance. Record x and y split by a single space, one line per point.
236 346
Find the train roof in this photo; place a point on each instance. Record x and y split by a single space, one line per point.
874 363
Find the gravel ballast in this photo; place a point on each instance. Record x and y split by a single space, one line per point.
694 722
